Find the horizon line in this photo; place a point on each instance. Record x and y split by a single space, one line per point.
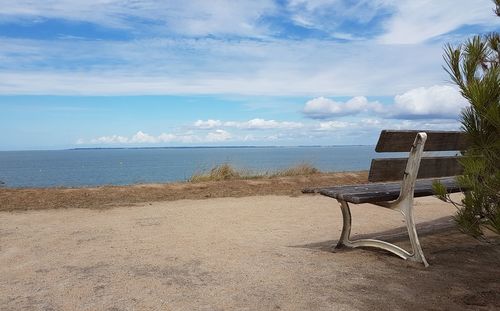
190 147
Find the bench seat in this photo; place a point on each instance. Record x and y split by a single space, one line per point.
382 192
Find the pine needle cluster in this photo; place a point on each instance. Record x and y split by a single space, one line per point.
474 67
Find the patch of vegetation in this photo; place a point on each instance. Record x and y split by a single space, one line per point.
303 169
220 172
228 172
475 68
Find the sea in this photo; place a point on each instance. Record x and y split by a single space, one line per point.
97 167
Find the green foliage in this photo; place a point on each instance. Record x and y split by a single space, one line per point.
475 67
440 191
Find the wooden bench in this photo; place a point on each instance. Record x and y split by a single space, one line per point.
415 174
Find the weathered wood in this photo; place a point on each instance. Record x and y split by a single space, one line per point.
401 141
391 169
381 192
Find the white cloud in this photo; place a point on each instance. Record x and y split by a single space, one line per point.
113 139
449 125
329 15
141 138
324 108
253 124
264 138
372 122
333 125
417 21
267 66
218 136
438 101
407 21
403 21
261 124
352 131
206 66
441 101
192 18
144 138
208 124
366 131
166 138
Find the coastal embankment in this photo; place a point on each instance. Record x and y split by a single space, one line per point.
111 196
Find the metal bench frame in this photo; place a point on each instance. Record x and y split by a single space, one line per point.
403 204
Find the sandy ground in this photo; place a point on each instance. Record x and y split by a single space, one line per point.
251 253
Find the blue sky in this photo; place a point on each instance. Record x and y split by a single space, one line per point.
187 73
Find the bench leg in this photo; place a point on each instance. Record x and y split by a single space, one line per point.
344 241
417 252
346 227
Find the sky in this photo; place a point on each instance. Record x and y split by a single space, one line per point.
131 73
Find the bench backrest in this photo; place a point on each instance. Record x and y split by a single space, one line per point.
392 169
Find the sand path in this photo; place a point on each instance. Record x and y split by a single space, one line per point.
252 253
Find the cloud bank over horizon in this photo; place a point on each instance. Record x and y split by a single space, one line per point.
435 107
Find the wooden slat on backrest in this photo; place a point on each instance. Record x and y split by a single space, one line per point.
393 169
401 141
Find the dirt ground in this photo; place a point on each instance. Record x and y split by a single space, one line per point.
250 253
110 196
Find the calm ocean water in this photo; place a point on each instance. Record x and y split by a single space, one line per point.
93 167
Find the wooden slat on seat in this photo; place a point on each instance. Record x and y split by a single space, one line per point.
380 192
390 169
401 141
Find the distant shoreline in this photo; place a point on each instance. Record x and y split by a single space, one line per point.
187 147
213 147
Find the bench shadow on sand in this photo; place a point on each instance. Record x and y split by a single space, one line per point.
399 234
463 271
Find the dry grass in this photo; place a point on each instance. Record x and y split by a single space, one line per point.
227 172
303 169
220 172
